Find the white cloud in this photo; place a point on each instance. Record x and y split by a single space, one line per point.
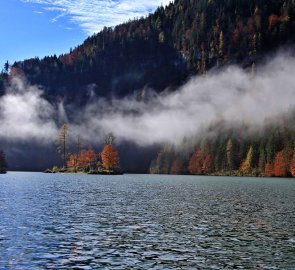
93 15
232 95
25 115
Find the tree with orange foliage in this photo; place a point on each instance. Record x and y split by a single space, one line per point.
87 159
280 165
176 167
73 162
196 162
110 157
244 167
272 21
201 161
208 164
292 164
269 170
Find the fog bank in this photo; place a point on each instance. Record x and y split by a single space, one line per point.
232 95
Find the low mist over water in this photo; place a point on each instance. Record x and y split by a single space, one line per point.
145 222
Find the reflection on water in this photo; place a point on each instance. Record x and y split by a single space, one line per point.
145 222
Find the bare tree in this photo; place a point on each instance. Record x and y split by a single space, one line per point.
79 144
109 138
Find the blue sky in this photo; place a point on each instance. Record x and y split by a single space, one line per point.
45 27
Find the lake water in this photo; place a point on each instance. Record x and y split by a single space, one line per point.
56 221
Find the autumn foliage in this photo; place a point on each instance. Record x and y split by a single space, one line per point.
87 158
176 167
269 170
292 165
229 153
280 165
208 164
201 162
73 161
196 162
110 157
292 168
245 168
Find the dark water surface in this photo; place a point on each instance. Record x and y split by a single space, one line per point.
145 222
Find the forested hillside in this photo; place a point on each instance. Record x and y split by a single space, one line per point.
162 50
239 150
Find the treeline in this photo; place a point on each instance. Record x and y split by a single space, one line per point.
238 151
77 158
186 37
3 163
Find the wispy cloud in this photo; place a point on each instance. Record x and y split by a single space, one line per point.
93 15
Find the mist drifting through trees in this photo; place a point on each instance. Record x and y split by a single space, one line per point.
191 71
231 97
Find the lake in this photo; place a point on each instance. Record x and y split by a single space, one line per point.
67 221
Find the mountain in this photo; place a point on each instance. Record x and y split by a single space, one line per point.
186 37
161 52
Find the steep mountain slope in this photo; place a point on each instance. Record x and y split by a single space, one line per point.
164 49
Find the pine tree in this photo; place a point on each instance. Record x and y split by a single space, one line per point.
220 157
230 155
247 164
6 66
3 163
262 158
270 149
292 164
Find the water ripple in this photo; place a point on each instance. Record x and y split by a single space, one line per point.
145 222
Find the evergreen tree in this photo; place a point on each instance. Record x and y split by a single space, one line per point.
270 149
220 157
230 155
3 163
262 158
6 66
193 36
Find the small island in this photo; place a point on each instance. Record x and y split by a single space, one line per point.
81 160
